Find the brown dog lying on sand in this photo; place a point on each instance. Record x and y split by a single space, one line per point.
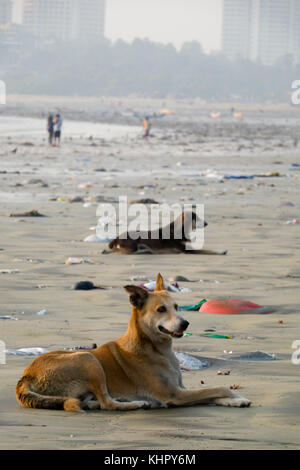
139 370
152 242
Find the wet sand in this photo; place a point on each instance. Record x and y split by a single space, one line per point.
246 217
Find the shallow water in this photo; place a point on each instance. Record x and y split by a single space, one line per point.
22 126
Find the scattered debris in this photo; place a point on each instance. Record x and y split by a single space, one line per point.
250 356
73 199
8 317
144 201
42 312
233 307
214 335
179 279
26 351
70 261
32 213
9 271
286 204
86 285
85 186
82 348
98 239
195 307
292 222
223 372
188 362
37 182
170 287
139 278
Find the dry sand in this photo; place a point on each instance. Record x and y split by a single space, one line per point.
246 217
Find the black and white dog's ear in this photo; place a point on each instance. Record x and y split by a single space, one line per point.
137 295
192 221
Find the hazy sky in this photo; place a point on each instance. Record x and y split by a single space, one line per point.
173 21
166 21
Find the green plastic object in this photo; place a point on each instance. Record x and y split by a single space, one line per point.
210 335
213 335
193 306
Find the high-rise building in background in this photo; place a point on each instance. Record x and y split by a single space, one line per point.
236 34
90 19
5 11
65 20
278 30
261 30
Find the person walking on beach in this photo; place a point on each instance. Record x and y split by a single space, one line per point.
58 126
147 126
57 129
50 129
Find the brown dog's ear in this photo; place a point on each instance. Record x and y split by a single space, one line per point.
159 283
137 295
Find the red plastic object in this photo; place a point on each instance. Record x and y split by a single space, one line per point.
232 307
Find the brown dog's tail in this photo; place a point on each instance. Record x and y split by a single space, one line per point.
27 397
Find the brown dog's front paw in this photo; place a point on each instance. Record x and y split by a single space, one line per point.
238 402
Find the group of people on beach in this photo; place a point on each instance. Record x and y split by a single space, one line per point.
54 127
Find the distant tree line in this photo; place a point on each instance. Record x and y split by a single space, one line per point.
143 68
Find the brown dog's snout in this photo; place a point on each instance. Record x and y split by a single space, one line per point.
184 324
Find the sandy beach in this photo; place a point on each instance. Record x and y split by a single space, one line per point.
186 160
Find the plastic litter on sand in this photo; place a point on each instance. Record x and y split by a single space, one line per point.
42 312
170 287
26 351
188 362
8 317
250 356
98 239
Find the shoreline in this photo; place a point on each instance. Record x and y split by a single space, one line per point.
131 110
